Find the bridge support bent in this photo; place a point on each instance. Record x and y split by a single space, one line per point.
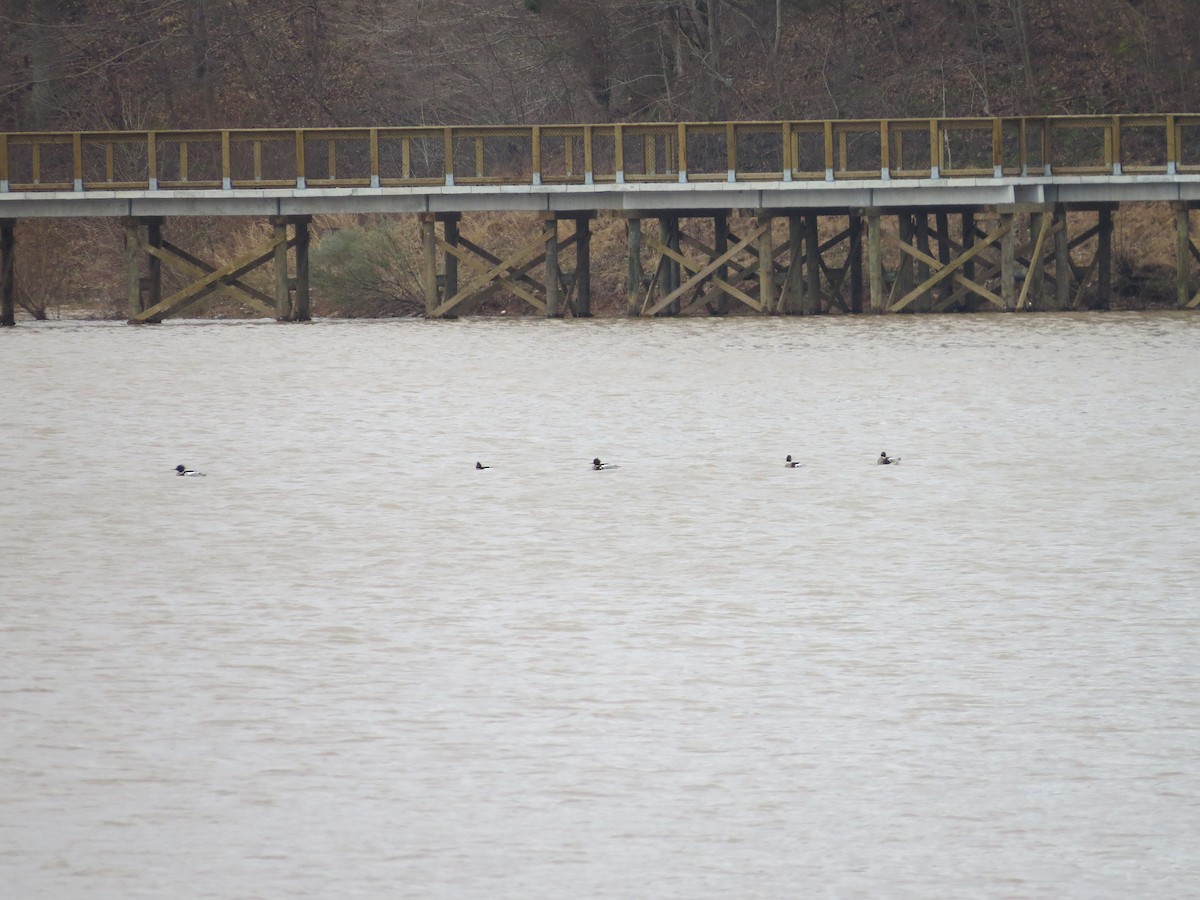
796 275
8 280
560 292
289 301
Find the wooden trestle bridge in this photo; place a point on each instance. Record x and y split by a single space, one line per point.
777 217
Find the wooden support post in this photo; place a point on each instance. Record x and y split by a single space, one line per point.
1104 260
303 300
429 267
942 222
660 284
875 260
904 271
633 276
967 226
133 266
766 268
1035 274
812 265
8 281
1008 263
449 260
583 267
283 299
856 264
791 299
1183 256
154 278
924 303
553 281
721 247
1062 262
669 283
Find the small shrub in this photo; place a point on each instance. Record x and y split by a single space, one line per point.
364 271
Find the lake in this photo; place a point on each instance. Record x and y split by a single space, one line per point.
346 663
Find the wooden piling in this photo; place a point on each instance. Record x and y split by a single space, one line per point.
1183 255
942 224
429 267
8 282
1031 291
671 274
905 228
924 303
875 260
449 260
303 299
812 265
633 276
1104 259
856 264
553 277
721 247
283 300
791 299
766 268
583 267
133 267
1008 263
154 275
1062 261
967 229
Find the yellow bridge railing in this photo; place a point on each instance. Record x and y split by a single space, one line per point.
684 152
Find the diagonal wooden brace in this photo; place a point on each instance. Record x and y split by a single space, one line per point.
499 270
940 272
701 271
212 281
183 262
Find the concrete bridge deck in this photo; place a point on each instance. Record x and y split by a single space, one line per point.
888 194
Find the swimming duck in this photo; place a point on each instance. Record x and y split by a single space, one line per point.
183 470
885 460
480 465
597 465
791 463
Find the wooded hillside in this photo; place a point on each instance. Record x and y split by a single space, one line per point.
103 64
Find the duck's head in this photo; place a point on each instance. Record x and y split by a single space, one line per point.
596 461
180 469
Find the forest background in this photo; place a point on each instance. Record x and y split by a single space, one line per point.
149 64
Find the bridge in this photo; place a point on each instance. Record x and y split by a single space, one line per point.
1007 213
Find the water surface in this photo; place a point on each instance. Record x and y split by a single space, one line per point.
345 663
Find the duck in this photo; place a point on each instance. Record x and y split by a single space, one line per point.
791 463
184 470
597 465
885 460
480 465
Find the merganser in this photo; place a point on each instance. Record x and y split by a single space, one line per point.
885 460
182 470
596 464
791 463
480 465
